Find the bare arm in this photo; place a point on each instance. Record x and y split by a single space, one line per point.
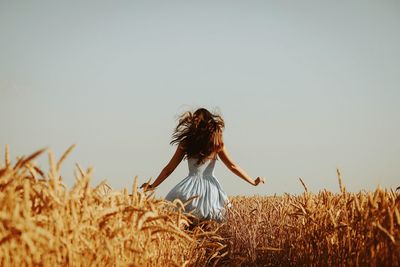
168 169
226 159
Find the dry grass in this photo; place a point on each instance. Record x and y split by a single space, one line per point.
43 223
323 229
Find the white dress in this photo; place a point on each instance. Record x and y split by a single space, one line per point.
211 201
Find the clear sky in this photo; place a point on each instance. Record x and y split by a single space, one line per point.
304 87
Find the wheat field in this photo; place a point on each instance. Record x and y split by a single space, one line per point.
43 223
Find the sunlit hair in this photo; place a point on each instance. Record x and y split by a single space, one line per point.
199 134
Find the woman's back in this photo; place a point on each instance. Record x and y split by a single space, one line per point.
201 170
209 198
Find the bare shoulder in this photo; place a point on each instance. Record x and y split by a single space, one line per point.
223 154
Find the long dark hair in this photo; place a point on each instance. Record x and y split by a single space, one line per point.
199 134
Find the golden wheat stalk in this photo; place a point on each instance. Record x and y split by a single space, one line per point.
64 156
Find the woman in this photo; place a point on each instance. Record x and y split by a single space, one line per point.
199 139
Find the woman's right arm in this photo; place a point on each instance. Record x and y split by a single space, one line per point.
167 170
226 159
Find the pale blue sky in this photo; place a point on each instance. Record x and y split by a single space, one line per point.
304 87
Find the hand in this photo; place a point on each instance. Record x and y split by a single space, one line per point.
146 187
258 181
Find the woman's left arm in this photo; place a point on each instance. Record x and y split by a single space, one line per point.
168 169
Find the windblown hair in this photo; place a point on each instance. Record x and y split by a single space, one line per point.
199 134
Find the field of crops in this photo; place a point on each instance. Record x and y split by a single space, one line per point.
44 223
